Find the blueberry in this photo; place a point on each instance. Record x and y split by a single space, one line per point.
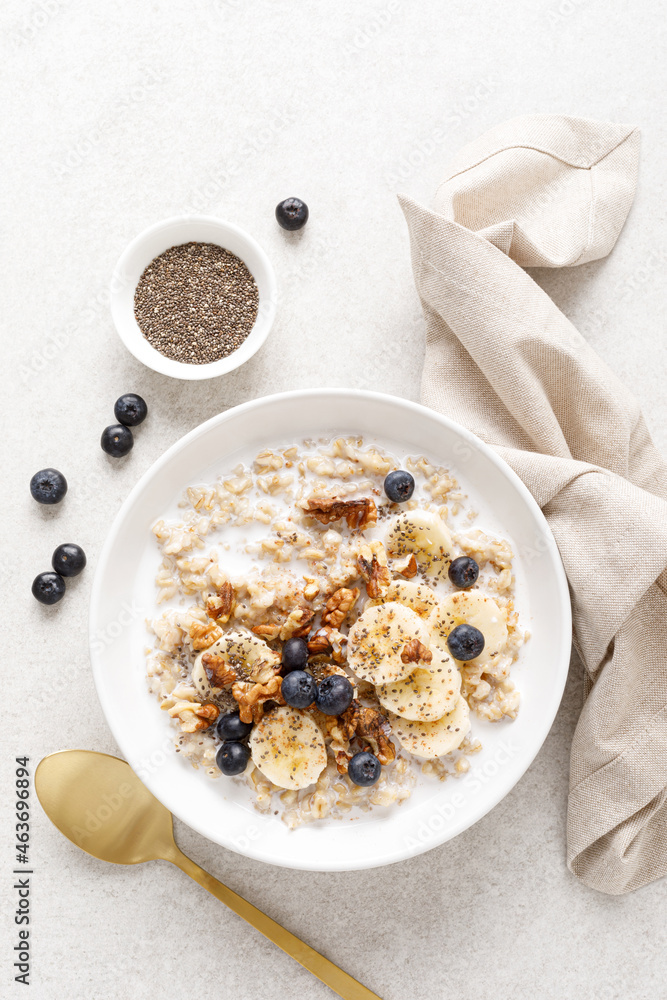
465 642
48 588
130 409
463 572
232 757
295 655
68 559
364 768
334 695
117 440
230 727
48 486
292 213
299 689
399 486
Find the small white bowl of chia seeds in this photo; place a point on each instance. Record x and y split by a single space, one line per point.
193 297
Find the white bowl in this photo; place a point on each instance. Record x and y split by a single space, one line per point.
154 241
124 595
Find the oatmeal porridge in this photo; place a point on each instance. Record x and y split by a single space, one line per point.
333 624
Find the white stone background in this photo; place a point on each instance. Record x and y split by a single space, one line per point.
116 115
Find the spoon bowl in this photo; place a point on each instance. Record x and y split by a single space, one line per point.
99 804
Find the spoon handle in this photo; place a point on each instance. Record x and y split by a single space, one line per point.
333 977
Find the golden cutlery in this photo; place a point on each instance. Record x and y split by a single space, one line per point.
99 803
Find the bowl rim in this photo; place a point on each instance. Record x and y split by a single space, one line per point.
559 672
131 337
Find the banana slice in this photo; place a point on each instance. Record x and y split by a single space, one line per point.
245 654
472 608
377 639
288 748
416 596
433 739
425 533
428 693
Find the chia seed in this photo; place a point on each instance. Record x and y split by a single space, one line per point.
196 303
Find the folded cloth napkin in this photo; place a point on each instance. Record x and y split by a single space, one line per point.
554 191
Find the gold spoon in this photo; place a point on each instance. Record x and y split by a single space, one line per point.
100 804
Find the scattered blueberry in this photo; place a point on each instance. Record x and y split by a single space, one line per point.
232 757
295 655
230 727
130 409
299 689
465 642
463 572
48 486
68 559
48 588
292 213
117 440
399 486
364 768
334 695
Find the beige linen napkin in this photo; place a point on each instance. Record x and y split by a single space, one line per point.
504 361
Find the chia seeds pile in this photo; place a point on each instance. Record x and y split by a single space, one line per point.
196 303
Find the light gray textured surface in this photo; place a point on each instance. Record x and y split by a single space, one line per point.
118 115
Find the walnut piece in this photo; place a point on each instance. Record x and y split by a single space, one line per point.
204 635
339 605
192 715
251 697
406 567
269 632
373 726
373 568
218 671
328 640
358 513
368 725
220 605
297 623
206 714
344 726
342 758
414 652
312 588
340 730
